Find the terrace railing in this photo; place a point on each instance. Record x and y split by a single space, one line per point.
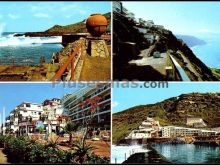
73 60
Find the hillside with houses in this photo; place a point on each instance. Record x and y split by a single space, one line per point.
193 110
140 46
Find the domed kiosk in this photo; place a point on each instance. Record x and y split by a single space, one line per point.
96 25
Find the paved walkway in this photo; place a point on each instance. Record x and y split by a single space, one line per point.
180 69
158 64
3 157
190 67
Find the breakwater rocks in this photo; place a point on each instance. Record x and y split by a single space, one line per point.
152 141
152 156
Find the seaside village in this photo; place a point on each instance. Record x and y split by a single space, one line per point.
150 129
40 120
140 24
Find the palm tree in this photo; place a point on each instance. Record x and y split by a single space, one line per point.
69 128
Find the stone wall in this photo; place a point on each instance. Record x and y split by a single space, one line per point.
98 48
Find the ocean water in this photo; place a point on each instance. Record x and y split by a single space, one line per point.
209 53
27 50
189 153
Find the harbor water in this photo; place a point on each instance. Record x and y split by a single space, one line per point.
189 153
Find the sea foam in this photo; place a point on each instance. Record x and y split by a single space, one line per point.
11 40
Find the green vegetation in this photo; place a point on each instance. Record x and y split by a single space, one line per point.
173 111
169 63
69 128
216 72
24 150
79 27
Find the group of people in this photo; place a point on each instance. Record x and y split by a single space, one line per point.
91 133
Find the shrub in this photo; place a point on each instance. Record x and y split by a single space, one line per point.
94 159
2 141
24 150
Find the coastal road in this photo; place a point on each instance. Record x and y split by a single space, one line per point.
180 69
189 65
159 64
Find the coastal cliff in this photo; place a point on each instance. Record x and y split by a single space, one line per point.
57 30
126 30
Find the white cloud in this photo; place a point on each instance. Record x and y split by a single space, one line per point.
68 8
83 12
68 16
60 9
13 16
115 104
41 15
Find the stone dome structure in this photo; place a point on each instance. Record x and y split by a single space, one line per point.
96 25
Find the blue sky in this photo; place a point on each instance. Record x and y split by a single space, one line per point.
124 98
13 94
180 17
39 16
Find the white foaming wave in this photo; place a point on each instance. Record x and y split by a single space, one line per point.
10 40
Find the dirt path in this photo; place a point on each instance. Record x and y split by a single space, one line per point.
96 68
3 158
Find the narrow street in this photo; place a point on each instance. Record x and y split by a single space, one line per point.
159 64
189 65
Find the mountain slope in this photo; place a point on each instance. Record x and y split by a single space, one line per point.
56 30
191 40
172 111
79 27
125 31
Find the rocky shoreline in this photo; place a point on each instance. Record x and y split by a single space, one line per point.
39 34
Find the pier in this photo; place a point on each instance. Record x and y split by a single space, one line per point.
148 155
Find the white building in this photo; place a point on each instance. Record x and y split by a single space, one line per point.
130 16
195 122
141 29
172 131
142 22
27 114
72 104
149 23
148 129
25 118
150 38
52 111
117 7
159 26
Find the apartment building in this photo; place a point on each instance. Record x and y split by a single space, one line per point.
72 104
148 129
22 117
52 113
26 117
172 131
27 114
